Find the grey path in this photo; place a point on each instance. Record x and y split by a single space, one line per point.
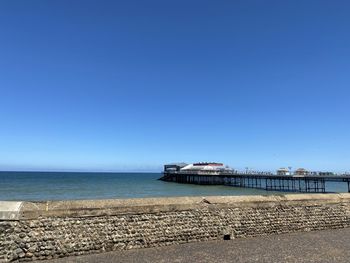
320 246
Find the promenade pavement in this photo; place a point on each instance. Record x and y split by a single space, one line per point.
319 246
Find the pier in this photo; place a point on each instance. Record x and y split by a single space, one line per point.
264 181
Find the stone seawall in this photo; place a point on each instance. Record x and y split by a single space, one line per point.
44 230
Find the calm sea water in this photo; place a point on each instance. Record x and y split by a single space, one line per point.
65 185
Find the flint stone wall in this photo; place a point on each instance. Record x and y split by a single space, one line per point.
45 230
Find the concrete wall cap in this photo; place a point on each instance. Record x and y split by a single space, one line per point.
26 210
10 210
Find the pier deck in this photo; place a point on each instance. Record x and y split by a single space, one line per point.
264 181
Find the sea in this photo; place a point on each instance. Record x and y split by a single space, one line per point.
39 186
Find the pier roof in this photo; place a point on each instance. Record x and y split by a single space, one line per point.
178 164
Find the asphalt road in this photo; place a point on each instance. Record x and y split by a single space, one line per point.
321 246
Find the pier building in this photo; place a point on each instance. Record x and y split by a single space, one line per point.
301 171
283 171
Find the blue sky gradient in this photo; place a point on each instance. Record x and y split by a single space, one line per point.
131 85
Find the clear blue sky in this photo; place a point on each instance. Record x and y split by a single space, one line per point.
131 85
